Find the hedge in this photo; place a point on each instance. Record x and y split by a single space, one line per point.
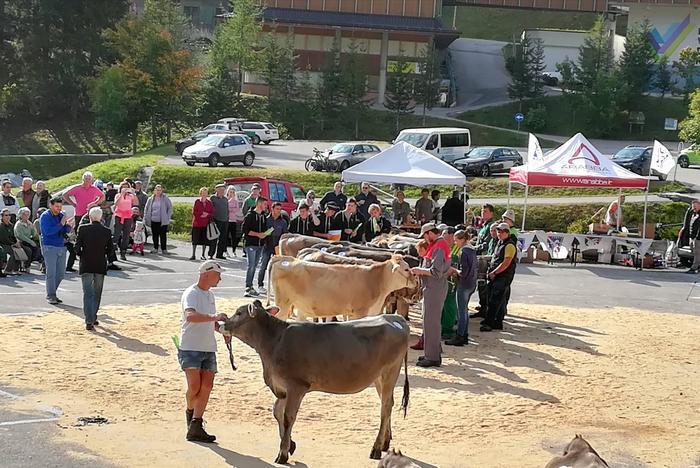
556 218
115 170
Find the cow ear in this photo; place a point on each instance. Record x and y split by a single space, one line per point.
252 310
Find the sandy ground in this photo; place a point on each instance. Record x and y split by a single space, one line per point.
627 380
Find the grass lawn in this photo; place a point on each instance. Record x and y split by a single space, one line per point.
47 167
560 119
501 24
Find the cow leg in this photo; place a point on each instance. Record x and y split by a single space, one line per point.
381 440
278 411
388 380
291 407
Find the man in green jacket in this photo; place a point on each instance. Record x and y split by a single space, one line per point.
7 241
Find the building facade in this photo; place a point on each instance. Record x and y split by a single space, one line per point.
381 29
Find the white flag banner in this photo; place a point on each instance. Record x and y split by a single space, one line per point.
534 152
662 161
524 241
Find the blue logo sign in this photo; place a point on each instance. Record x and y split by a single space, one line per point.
519 117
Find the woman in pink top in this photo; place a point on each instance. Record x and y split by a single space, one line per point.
123 202
202 213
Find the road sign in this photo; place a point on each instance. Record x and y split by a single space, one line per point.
519 117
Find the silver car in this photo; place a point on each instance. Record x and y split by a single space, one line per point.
349 154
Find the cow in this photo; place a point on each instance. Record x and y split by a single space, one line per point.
396 459
314 255
306 287
578 454
378 255
291 244
341 358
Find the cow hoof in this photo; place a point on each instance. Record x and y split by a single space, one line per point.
375 454
293 447
281 459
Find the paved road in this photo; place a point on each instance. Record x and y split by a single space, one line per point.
480 71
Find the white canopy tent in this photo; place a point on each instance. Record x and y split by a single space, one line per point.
405 164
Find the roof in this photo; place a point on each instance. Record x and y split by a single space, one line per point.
434 129
404 164
576 163
356 20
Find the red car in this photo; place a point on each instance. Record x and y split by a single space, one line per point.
287 193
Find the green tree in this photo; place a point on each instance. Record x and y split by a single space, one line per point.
304 99
236 38
353 85
218 95
535 60
637 62
399 98
525 67
155 55
428 81
686 67
328 91
662 79
595 56
278 69
690 127
50 50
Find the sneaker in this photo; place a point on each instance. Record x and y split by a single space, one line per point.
114 267
95 323
164 251
262 290
52 300
692 271
250 292
154 251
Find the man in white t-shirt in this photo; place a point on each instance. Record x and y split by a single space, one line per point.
197 351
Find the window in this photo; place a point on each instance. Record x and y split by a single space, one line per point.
270 126
252 126
278 193
238 140
358 149
497 154
298 193
192 12
369 149
432 143
450 140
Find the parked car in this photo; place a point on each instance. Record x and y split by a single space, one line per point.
216 127
637 159
183 143
446 143
487 160
289 194
260 132
551 78
690 156
220 147
234 123
349 154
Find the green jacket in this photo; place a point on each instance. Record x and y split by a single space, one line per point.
26 233
7 234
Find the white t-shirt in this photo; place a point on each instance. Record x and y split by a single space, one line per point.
198 336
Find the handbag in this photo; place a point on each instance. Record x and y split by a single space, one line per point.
19 254
212 231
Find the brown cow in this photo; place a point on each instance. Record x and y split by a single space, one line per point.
315 255
304 287
341 358
578 454
291 244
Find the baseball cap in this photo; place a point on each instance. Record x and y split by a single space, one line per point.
210 265
509 214
332 206
427 227
441 227
255 186
503 227
220 186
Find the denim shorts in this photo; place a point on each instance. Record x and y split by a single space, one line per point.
197 360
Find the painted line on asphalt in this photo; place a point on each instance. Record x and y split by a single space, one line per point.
28 421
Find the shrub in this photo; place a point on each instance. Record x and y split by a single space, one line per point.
536 119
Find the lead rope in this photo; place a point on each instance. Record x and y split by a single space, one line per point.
230 353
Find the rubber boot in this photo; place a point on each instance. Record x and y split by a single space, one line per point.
419 345
196 432
458 340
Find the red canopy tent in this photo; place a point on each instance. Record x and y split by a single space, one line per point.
576 163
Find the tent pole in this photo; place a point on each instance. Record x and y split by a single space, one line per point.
522 228
508 205
617 222
644 226
464 198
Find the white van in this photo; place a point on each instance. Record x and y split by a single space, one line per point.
446 143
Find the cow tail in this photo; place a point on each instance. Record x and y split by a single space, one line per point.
406 389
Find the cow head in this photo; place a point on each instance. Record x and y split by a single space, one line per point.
243 319
401 271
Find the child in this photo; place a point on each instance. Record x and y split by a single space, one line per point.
139 238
